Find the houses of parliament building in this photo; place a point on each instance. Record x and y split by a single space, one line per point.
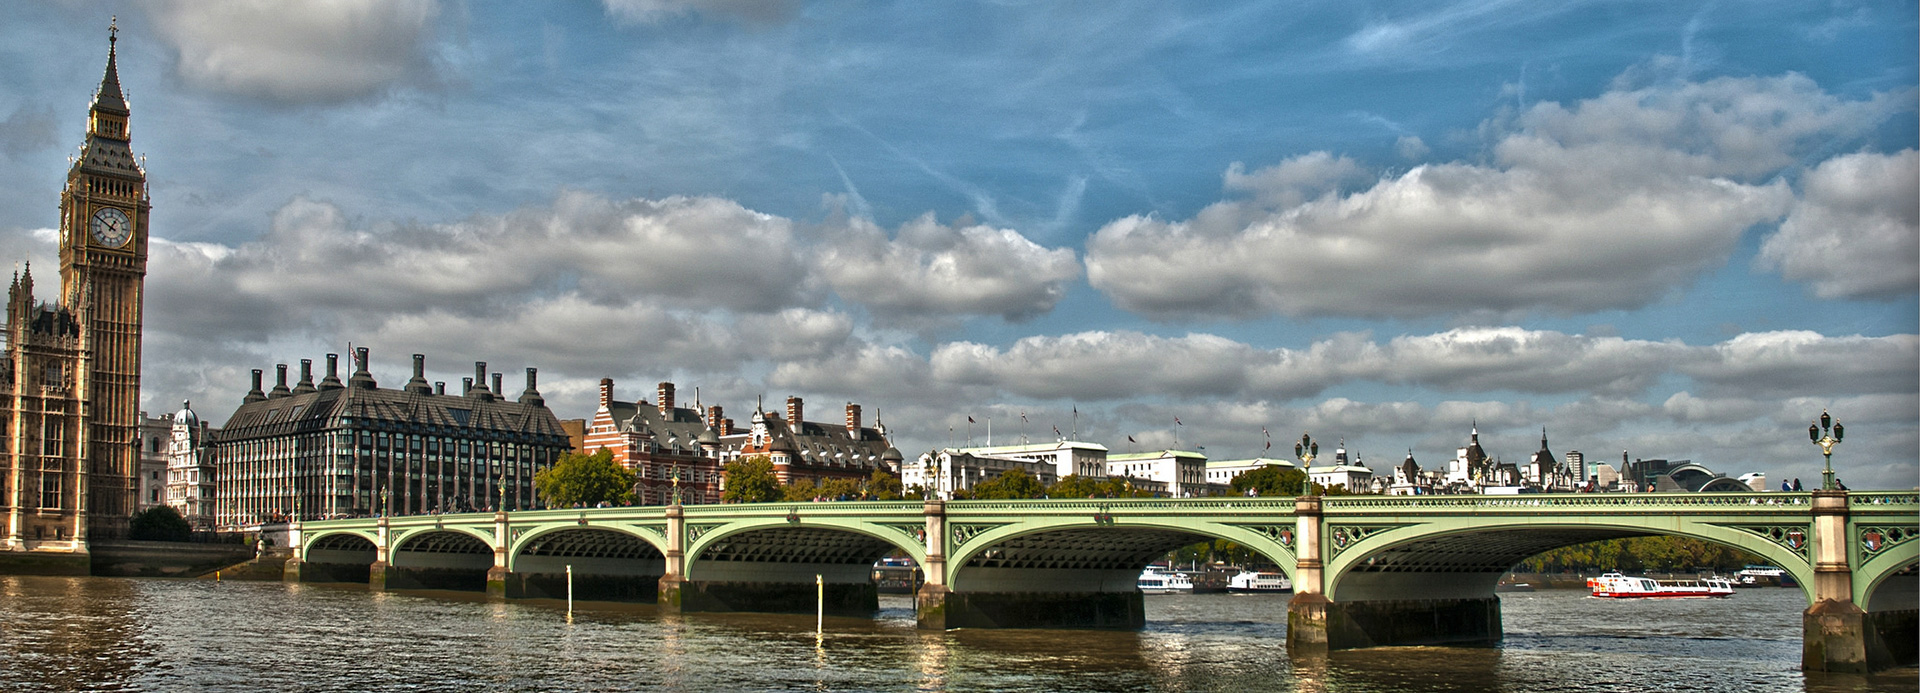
70 370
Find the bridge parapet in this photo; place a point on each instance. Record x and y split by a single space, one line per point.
1583 502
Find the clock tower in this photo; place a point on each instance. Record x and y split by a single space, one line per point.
103 266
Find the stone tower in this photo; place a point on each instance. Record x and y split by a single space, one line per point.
103 266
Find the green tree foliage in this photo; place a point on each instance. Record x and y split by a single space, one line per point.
883 486
1076 486
1271 480
159 523
1013 483
750 480
587 480
1638 554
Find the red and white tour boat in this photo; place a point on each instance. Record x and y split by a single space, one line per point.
1617 586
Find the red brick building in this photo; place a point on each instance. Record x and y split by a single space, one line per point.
802 449
659 440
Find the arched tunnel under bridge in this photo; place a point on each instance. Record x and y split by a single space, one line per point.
774 568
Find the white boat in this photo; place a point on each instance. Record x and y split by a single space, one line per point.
1617 586
1255 581
1153 581
1760 575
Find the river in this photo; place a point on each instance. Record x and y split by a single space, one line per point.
111 634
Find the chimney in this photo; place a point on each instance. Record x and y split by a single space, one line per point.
665 399
726 426
418 384
794 410
466 385
361 378
332 381
479 375
254 395
853 418
279 382
306 378
713 416
606 393
439 387
498 387
532 394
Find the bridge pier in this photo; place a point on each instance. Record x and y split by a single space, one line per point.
1837 635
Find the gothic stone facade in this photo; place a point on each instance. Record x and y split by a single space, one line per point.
70 373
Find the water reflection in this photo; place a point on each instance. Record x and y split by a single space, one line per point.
158 635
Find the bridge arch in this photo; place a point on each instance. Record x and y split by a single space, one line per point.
338 556
1463 558
1090 554
815 541
1886 582
606 561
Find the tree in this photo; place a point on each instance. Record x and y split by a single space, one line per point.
1076 486
159 523
1271 480
883 486
585 480
750 480
1013 483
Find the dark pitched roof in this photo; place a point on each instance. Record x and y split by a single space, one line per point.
322 409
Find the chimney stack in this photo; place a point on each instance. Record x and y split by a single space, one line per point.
532 394
332 381
466 385
665 399
254 395
361 378
713 416
499 388
479 375
606 393
853 418
794 409
726 426
418 384
306 378
439 387
279 382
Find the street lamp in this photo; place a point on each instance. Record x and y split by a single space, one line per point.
1826 433
1305 451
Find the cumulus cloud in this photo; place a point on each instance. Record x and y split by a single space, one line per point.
1855 232
302 53
1793 362
1610 203
932 269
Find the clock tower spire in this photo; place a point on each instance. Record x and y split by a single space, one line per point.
103 267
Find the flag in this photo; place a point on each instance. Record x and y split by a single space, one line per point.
1023 417
1130 439
1056 430
969 419
1202 447
1269 444
1176 421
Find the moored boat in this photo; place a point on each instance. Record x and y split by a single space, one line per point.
1153 581
1258 581
1761 576
1617 586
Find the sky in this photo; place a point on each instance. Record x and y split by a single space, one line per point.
1656 229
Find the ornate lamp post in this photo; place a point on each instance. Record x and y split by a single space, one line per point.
676 484
1305 451
1826 433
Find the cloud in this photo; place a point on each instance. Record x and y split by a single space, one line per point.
28 130
1856 229
302 53
1611 203
654 11
1798 362
929 269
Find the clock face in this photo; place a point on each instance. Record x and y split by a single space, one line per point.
111 227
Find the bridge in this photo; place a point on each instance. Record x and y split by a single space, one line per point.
1367 570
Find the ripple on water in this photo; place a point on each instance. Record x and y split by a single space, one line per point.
108 634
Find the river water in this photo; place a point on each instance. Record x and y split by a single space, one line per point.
110 634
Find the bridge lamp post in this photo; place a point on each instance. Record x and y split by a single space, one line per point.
1826 433
1305 451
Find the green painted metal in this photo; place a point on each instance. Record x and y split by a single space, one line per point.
1777 526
